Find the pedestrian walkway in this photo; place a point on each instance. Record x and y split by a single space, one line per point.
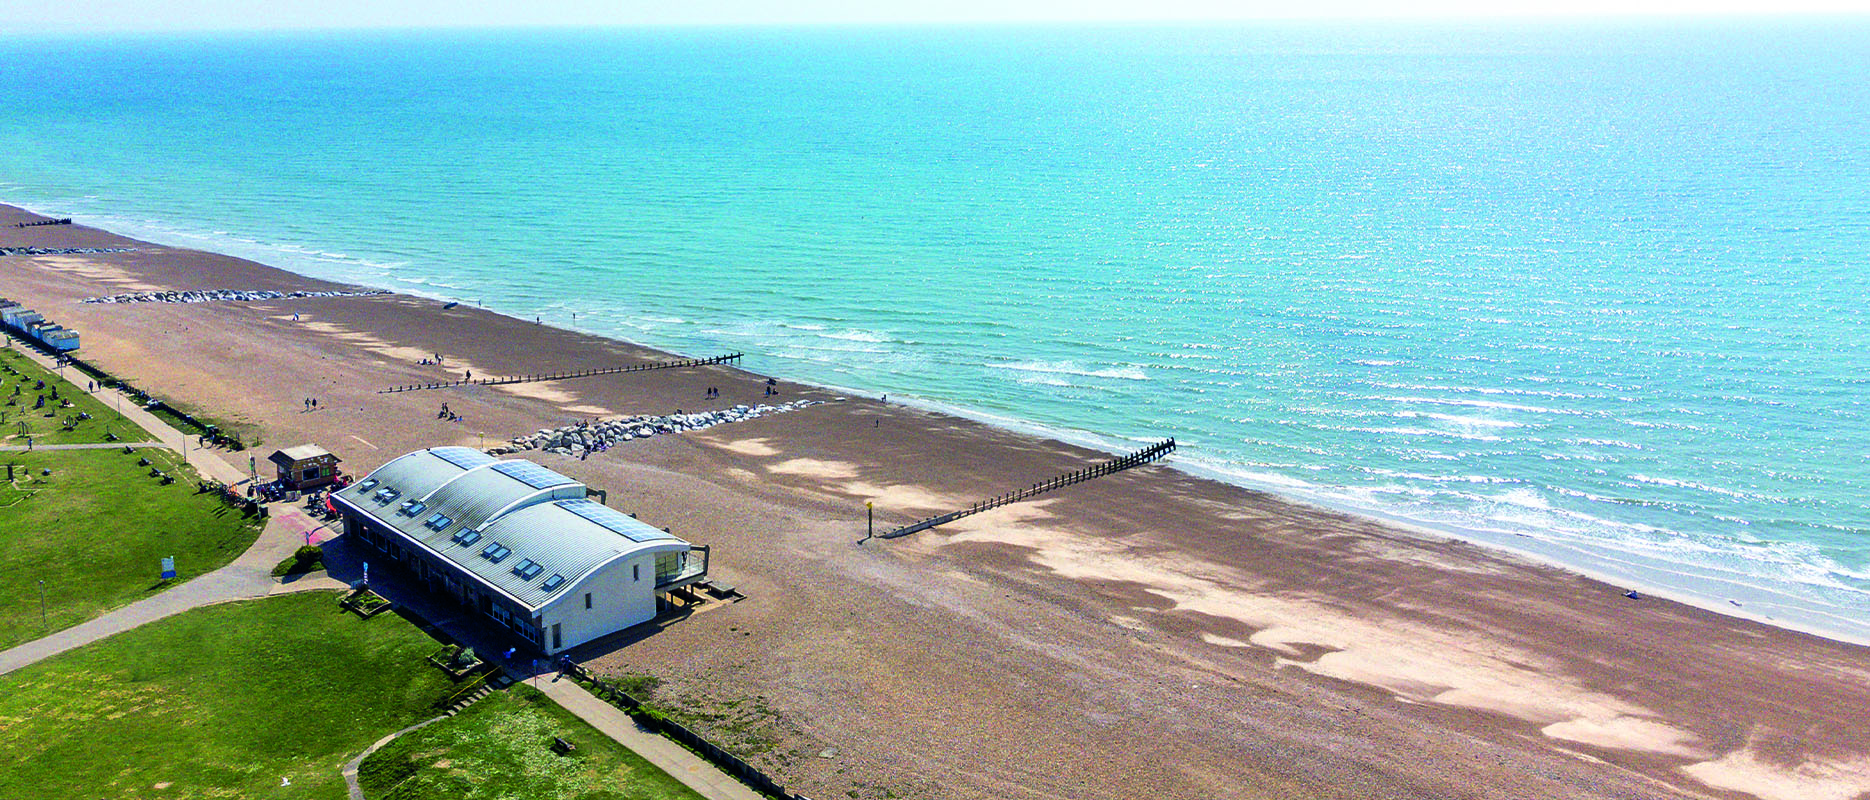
247 577
344 561
207 462
350 768
21 448
289 527
679 761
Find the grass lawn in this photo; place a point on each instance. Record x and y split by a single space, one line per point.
223 701
47 430
501 748
248 434
95 532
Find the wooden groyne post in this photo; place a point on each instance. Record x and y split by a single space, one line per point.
585 373
1136 459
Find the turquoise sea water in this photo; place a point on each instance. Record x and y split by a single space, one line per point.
1593 292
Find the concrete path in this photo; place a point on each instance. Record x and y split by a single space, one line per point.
350 767
21 448
344 560
692 770
207 462
248 576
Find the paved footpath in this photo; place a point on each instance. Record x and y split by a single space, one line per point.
250 576
247 577
694 771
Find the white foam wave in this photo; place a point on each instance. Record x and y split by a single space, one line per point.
1736 494
1128 373
856 336
1457 419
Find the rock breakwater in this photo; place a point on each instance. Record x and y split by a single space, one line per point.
213 295
596 437
61 251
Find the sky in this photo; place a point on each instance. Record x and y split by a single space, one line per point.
29 16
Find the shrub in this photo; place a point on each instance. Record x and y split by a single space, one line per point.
305 559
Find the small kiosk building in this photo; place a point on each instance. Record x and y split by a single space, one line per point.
305 467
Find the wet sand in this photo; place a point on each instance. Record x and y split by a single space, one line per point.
1146 634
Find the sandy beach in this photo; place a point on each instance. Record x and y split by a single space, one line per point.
1146 634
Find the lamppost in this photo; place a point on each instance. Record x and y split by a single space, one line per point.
42 624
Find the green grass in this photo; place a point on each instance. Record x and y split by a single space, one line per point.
95 532
303 560
249 435
223 701
501 748
48 430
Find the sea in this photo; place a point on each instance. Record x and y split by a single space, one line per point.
1592 291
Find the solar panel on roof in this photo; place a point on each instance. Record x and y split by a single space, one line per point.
531 474
614 520
463 457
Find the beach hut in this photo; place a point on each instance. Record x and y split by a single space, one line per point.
307 466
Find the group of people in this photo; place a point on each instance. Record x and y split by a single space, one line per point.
772 387
430 362
311 404
713 392
447 415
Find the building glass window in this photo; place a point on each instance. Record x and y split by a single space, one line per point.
587 599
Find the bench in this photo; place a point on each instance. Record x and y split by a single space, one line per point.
562 746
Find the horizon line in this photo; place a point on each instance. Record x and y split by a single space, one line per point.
1634 15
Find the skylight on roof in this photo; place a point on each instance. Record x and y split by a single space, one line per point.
463 457
528 569
553 583
531 474
467 538
614 520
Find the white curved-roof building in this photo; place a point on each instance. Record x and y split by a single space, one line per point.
519 543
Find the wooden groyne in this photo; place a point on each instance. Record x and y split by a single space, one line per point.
560 376
65 221
1136 459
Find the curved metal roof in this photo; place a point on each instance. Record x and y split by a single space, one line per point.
445 495
563 543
